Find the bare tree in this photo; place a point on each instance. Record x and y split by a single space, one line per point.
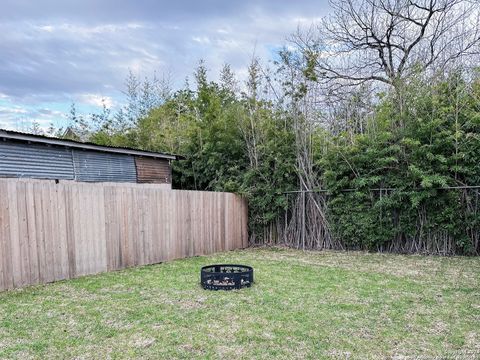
249 127
389 40
333 75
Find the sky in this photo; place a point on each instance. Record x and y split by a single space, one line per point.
55 52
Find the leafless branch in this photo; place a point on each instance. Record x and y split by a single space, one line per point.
388 41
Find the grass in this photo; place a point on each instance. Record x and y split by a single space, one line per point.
304 305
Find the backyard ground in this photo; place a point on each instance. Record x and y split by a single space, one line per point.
304 305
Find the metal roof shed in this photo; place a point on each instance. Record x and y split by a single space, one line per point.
35 156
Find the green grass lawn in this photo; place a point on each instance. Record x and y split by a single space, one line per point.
304 305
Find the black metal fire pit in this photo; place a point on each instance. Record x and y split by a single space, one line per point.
226 277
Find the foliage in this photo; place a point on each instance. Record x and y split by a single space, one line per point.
382 163
213 127
437 147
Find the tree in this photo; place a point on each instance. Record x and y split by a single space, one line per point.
388 41
228 82
131 112
249 126
35 128
78 125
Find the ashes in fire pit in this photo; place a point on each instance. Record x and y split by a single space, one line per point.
226 277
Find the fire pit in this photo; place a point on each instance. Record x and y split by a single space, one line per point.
226 277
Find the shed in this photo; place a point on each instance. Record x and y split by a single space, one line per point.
35 156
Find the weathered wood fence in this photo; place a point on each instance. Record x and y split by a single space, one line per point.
52 231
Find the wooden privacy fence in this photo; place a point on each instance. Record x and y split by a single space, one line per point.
53 231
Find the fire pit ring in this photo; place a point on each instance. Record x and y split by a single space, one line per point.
226 276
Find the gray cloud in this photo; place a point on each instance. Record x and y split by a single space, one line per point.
92 11
57 50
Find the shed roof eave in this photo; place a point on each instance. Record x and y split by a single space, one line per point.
13 135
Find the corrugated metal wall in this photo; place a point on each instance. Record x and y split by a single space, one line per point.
103 167
27 160
35 161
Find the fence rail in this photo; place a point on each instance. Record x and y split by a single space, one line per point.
373 224
53 231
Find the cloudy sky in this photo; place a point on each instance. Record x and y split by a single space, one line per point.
55 52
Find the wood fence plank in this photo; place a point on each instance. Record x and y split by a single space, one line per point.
45 246
51 231
62 229
33 235
100 235
111 227
70 231
6 267
15 224
161 226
